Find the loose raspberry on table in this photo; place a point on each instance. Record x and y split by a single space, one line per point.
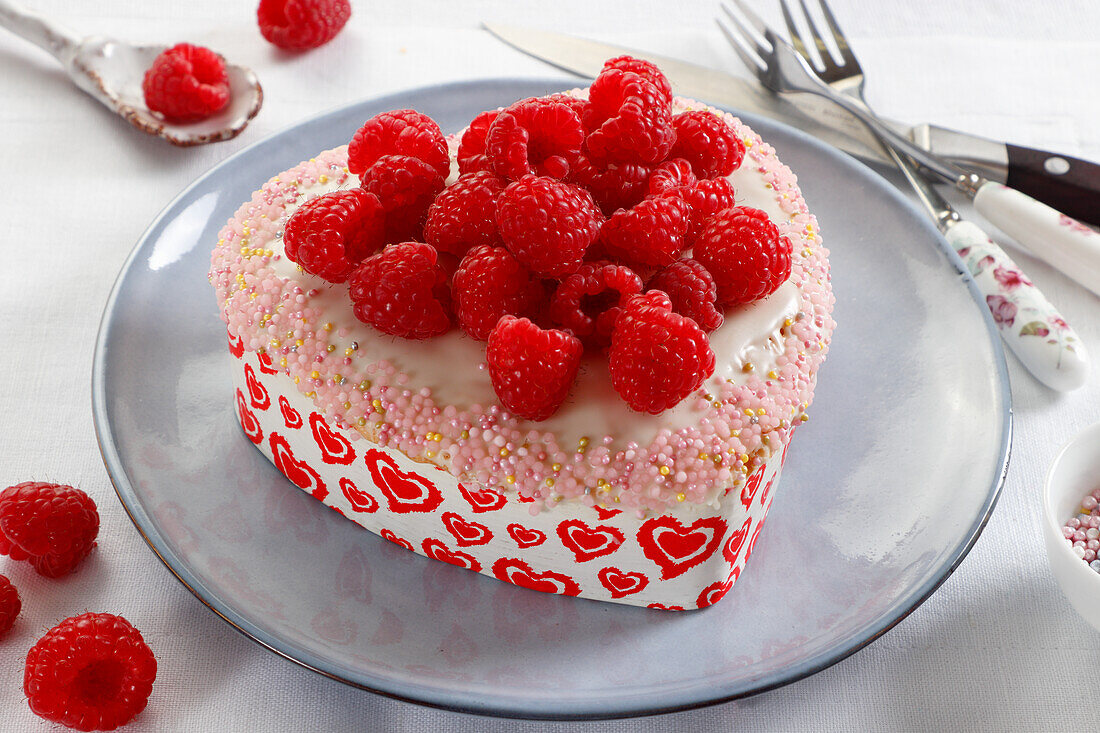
744 253
406 186
299 25
547 224
657 357
671 174
464 214
614 186
52 526
534 136
707 197
10 605
651 234
490 283
399 132
186 83
589 301
532 369
708 143
90 672
402 291
471 149
645 69
332 233
629 119
691 290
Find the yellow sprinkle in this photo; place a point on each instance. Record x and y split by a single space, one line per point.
804 418
282 362
664 470
297 380
615 499
510 479
437 437
749 411
556 467
465 435
298 342
323 179
747 367
681 496
704 456
315 374
349 352
773 374
377 405
601 482
361 421
327 326
503 452
550 482
347 405
331 348
583 442
363 386
429 453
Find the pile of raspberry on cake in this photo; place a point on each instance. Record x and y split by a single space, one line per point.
604 224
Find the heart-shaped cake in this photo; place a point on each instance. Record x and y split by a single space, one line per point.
566 347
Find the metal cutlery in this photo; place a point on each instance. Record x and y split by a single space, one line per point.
1063 242
1068 184
1027 322
111 71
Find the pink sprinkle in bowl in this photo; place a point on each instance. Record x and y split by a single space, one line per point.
1074 473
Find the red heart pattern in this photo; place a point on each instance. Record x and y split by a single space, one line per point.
291 418
387 534
267 366
663 607
620 583
405 492
748 491
482 499
676 548
466 533
436 550
713 593
525 537
249 423
732 547
517 572
604 513
586 542
236 346
360 500
300 473
256 391
752 542
335 448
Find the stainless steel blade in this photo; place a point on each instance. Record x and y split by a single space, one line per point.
811 114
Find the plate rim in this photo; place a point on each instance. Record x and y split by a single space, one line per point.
129 498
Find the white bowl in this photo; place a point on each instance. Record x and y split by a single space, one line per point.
1075 473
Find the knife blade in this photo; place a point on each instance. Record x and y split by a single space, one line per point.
1068 184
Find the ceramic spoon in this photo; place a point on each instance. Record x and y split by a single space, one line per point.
111 71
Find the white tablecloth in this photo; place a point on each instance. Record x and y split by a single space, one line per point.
997 647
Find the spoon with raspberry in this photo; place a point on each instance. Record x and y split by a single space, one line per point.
185 94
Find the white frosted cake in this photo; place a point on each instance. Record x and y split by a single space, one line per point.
421 440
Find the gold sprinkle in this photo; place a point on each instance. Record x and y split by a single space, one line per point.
437 437
465 435
315 374
331 348
377 405
681 496
429 453
503 452
361 421
804 418
327 326
349 352
773 374
556 467
363 386
347 405
583 442
282 362
298 342
747 367
704 456
322 179
749 411
601 483
510 478
550 482
664 470
297 380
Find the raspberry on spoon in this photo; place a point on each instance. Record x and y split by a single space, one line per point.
186 83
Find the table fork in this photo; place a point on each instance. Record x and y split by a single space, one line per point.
1046 233
1036 332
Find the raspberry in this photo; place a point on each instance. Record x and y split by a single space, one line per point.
90 672
471 149
708 143
589 301
299 25
577 104
692 291
670 174
531 369
331 233
547 224
51 525
657 357
491 283
406 187
402 291
399 132
629 119
9 605
186 83
707 197
534 136
615 186
644 69
464 215
742 249
650 234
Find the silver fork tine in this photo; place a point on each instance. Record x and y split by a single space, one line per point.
743 41
792 30
754 19
823 54
738 45
846 53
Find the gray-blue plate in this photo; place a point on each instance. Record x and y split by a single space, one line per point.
885 489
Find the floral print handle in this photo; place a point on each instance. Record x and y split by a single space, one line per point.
1046 233
1030 326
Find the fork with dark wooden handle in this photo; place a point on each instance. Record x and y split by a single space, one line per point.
1030 326
1048 234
